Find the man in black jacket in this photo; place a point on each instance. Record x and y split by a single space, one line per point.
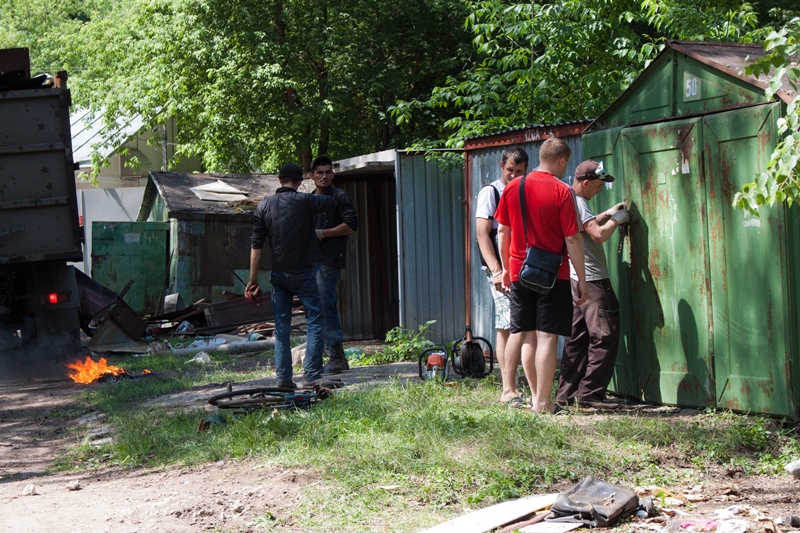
333 227
286 219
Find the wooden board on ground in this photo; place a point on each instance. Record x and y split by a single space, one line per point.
489 518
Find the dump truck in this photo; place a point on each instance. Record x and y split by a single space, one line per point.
40 232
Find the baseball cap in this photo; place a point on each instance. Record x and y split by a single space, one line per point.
593 170
291 171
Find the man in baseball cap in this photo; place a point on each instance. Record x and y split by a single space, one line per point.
593 170
587 363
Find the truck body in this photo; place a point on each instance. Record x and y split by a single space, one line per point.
39 224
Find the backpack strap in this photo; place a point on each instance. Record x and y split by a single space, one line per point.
496 196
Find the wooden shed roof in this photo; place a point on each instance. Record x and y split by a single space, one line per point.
181 203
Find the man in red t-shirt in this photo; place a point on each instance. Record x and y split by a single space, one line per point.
538 319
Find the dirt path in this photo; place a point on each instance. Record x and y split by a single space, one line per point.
35 421
32 428
226 496
36 417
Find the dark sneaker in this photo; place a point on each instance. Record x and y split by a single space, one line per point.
290 385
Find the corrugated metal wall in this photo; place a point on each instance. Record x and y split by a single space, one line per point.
485 169
368 288
432 244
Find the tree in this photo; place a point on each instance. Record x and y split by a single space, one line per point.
253 84
561 61
47 28
781 181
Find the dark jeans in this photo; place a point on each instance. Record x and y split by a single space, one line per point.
328 284
285 285
587 363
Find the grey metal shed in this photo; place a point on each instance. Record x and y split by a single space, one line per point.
406 262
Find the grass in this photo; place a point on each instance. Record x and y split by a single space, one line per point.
443 447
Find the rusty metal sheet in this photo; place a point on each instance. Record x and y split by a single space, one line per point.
750 265
121 325
94 297
369 298
238 311
15 66
732 58
670 264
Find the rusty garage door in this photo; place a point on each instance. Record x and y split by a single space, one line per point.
749 267
669 263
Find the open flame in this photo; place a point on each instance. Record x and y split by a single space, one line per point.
88 371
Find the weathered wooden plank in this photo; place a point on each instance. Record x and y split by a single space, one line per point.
489 518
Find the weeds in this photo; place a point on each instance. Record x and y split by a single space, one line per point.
401 345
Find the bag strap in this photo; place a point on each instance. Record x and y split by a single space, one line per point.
524 211
525 214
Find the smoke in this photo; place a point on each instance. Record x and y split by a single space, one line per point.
21 356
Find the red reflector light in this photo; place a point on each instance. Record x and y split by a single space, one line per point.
53 297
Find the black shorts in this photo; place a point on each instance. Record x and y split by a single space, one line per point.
548 313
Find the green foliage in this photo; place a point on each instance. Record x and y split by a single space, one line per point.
48 29
401 345
562 61
254 84
781 181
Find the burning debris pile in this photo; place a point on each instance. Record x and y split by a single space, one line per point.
88 371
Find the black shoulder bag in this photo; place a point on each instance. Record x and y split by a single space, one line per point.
493 232
540 269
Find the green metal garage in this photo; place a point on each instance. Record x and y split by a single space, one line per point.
709 295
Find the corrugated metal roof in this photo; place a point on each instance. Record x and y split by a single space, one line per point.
531 127
86 132
180 202
731 58
536 132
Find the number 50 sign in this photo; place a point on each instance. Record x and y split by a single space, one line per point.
691 87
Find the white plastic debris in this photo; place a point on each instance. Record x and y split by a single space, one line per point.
184 327
298 354
728 512
29 490
201 358
733 526
202 343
